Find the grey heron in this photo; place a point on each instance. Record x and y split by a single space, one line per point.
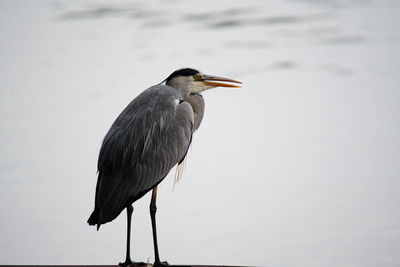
150 136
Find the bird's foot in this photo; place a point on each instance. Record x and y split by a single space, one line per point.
161 264
129 263
126 263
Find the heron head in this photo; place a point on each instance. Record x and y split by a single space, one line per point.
195 81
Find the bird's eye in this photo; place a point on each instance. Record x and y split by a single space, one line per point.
198 77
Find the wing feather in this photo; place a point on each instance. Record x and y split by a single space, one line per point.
149 137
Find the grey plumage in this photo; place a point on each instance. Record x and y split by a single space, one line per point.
150 136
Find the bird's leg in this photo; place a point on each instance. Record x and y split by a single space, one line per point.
128 261
153 209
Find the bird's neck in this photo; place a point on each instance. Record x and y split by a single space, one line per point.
197 102
194 99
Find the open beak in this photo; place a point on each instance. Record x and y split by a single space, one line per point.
215 81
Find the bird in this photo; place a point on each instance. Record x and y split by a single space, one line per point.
151 136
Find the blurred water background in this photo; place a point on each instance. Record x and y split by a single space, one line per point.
300 167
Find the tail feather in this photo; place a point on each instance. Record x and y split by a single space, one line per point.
94 218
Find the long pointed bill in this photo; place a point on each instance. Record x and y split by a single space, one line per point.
215 81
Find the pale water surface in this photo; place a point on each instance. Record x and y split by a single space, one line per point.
300 167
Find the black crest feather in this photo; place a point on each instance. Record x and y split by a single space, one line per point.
182 72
